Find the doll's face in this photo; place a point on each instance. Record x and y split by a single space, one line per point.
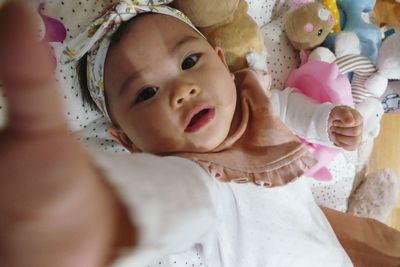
167 89
309 25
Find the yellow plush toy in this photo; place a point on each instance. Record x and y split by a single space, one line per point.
225 23
331 5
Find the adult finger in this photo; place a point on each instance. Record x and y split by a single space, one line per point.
26 71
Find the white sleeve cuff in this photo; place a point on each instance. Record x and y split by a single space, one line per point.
169 199
303 116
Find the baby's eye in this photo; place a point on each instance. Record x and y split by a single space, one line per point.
146 94
190 61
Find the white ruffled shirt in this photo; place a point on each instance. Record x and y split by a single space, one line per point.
182 212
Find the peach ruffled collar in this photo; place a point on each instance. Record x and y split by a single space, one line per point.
260 148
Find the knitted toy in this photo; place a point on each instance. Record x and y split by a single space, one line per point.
226 24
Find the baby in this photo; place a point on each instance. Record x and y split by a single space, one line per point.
172 93
168 93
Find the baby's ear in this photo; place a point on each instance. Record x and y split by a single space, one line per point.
121 137
221 55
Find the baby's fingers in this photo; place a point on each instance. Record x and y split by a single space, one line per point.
347 131
343 116
26 71
346 142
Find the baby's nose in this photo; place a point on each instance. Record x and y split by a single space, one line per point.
184 93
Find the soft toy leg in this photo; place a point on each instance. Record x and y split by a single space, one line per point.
376 196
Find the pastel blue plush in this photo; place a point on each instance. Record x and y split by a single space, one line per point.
352 21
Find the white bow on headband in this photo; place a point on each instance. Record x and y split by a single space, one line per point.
95 41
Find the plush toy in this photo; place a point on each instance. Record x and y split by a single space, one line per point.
387 13
368 80
319 80
226 24
367 199
324 86
52 29
389 58
389 66
331 5
352 16
307 25
367 83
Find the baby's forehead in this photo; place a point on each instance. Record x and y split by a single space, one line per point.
154 25
154 34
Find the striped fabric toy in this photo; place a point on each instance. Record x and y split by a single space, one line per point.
331 5
362 69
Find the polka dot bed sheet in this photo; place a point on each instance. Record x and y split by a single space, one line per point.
91 127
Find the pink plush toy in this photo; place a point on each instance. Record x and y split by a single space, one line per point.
54 29
322 82
51 30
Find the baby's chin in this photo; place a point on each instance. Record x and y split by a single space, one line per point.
208 142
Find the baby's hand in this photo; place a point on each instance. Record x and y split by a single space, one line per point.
345 127
55 210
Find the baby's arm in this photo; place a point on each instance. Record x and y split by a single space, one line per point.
318 123
170 199
56 208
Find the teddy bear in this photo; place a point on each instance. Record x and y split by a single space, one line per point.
387 13
225 23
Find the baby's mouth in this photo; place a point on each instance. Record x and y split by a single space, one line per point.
199 119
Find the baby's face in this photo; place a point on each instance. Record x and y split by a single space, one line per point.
167 89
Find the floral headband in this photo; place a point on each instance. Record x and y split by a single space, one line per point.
95 41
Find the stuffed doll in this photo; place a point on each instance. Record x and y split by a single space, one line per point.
319 80
307 25
368 80
331 5
389 66
367 199
353 19
225 23
387 13
52 29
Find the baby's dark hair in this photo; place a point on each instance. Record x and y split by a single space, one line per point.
82 64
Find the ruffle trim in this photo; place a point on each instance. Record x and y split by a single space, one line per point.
267 176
